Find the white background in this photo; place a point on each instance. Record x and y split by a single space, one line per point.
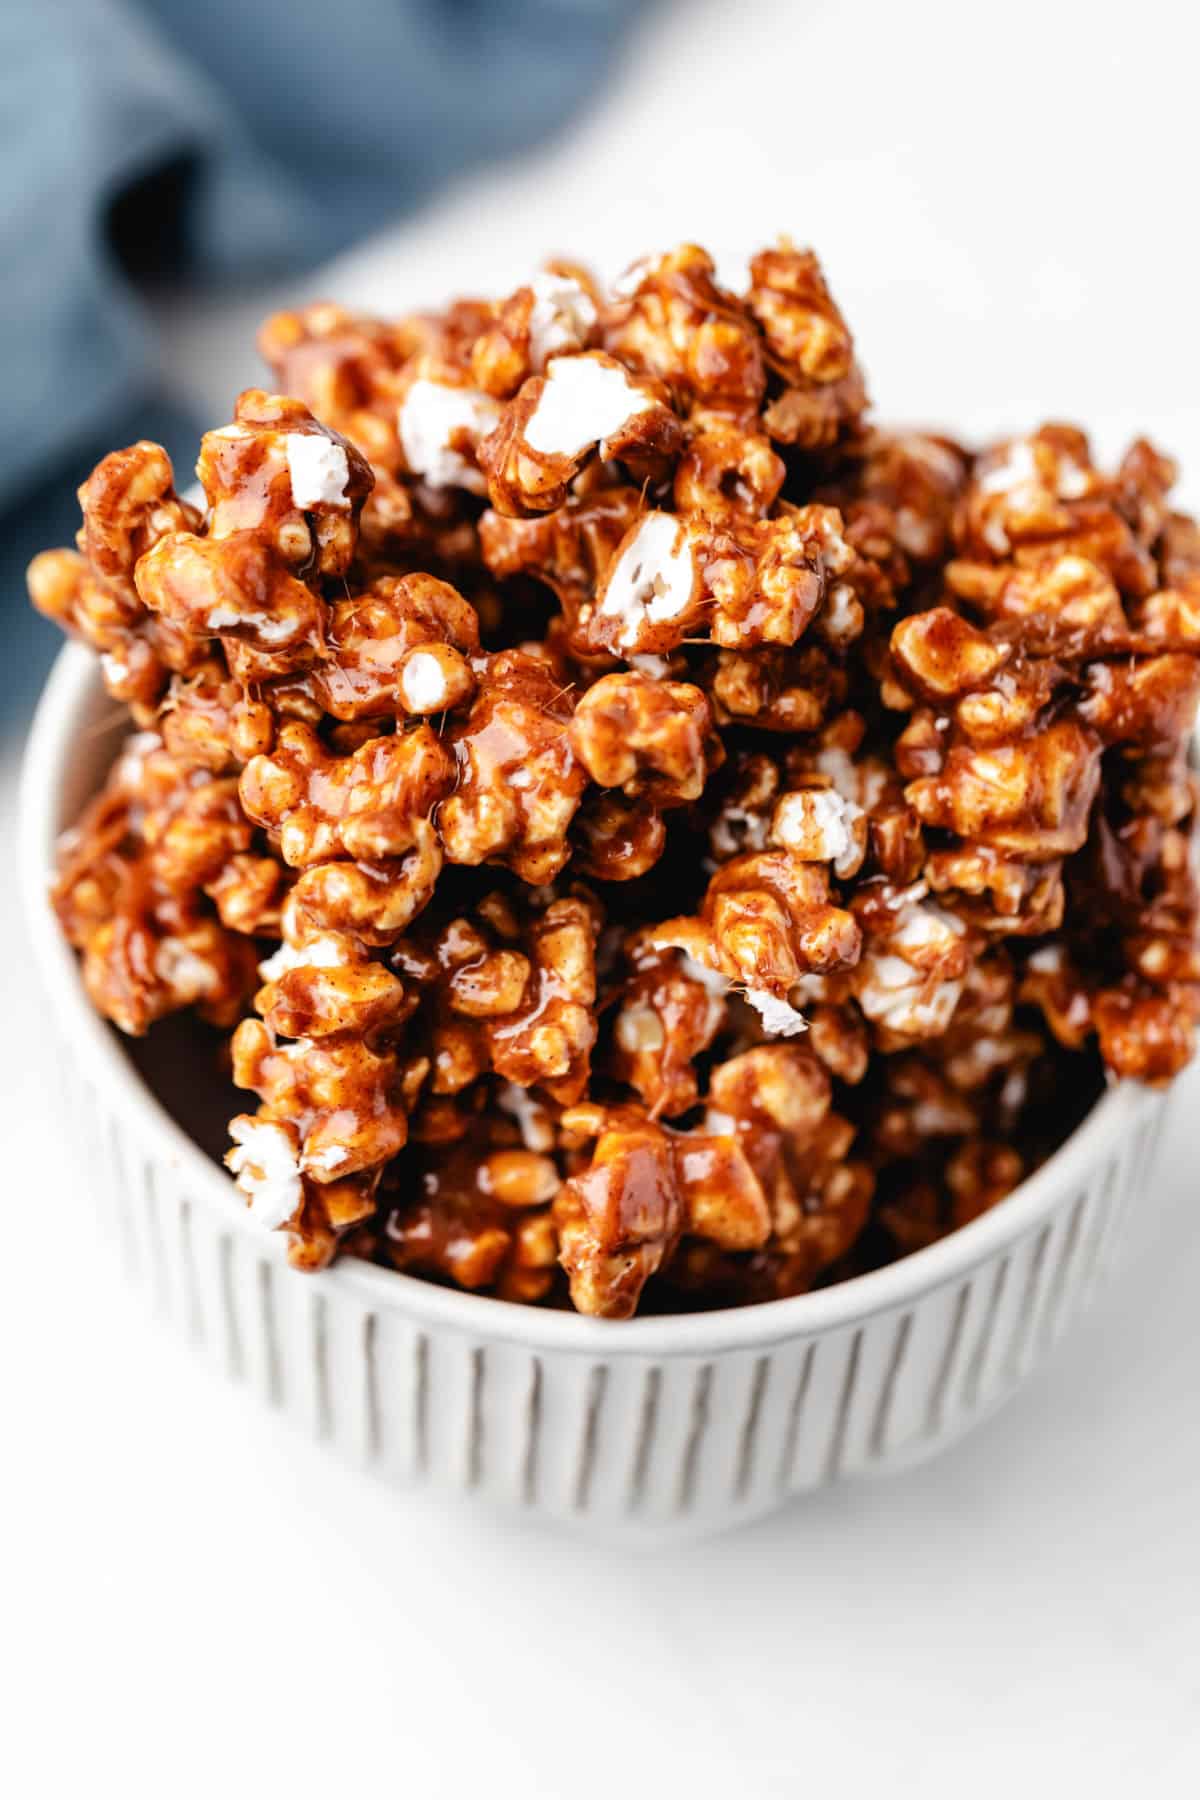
196 1603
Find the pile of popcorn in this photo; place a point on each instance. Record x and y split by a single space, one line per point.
645 833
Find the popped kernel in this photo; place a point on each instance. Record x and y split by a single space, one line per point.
646 836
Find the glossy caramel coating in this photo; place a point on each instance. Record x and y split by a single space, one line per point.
651 838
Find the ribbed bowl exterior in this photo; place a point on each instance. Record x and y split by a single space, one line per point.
657 1427
633 1442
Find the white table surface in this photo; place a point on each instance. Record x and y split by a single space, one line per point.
195 1602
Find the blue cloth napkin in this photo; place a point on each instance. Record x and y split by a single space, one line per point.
215 141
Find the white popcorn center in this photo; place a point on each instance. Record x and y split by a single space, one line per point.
432 415
639 1029
182 970
842 614
131 767
327 1160
652 580
228 618
779 1018
563 313
532 1119
1017 477
583 402
658 668
114 665
422 683
326 951
319 470
222 618
939 1118
894 993
1015 470
710 979
264 1163
1017 474
817 825
737 830
859 782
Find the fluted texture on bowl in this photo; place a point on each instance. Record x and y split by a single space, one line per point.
625 1440
658 1426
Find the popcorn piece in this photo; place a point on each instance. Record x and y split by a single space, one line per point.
557 422
321 983
584 401
1149 701
621 1219
207 717
132 896
776 690
366 806
765 923
977 676
671 320
771 1090
910 984
440 428
726 474
376 900
671 1010
942 656
236 590
809 343
562 317
319 469
555 312
803 327
346 1107
899 501
518 781
547 1039
772 921
1031 798
778 1018
651 582
434 680
646 737
129 504
1033 495
265 1164
820 825
279 474
372 636
760 583
478 1217
567 549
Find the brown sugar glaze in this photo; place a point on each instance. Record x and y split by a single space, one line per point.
645 836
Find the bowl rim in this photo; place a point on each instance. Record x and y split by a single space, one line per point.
73 688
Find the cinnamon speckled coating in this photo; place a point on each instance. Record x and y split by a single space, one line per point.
651 837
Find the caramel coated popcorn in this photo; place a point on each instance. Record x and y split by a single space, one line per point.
651 838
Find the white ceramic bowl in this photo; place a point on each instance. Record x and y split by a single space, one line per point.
657 1425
